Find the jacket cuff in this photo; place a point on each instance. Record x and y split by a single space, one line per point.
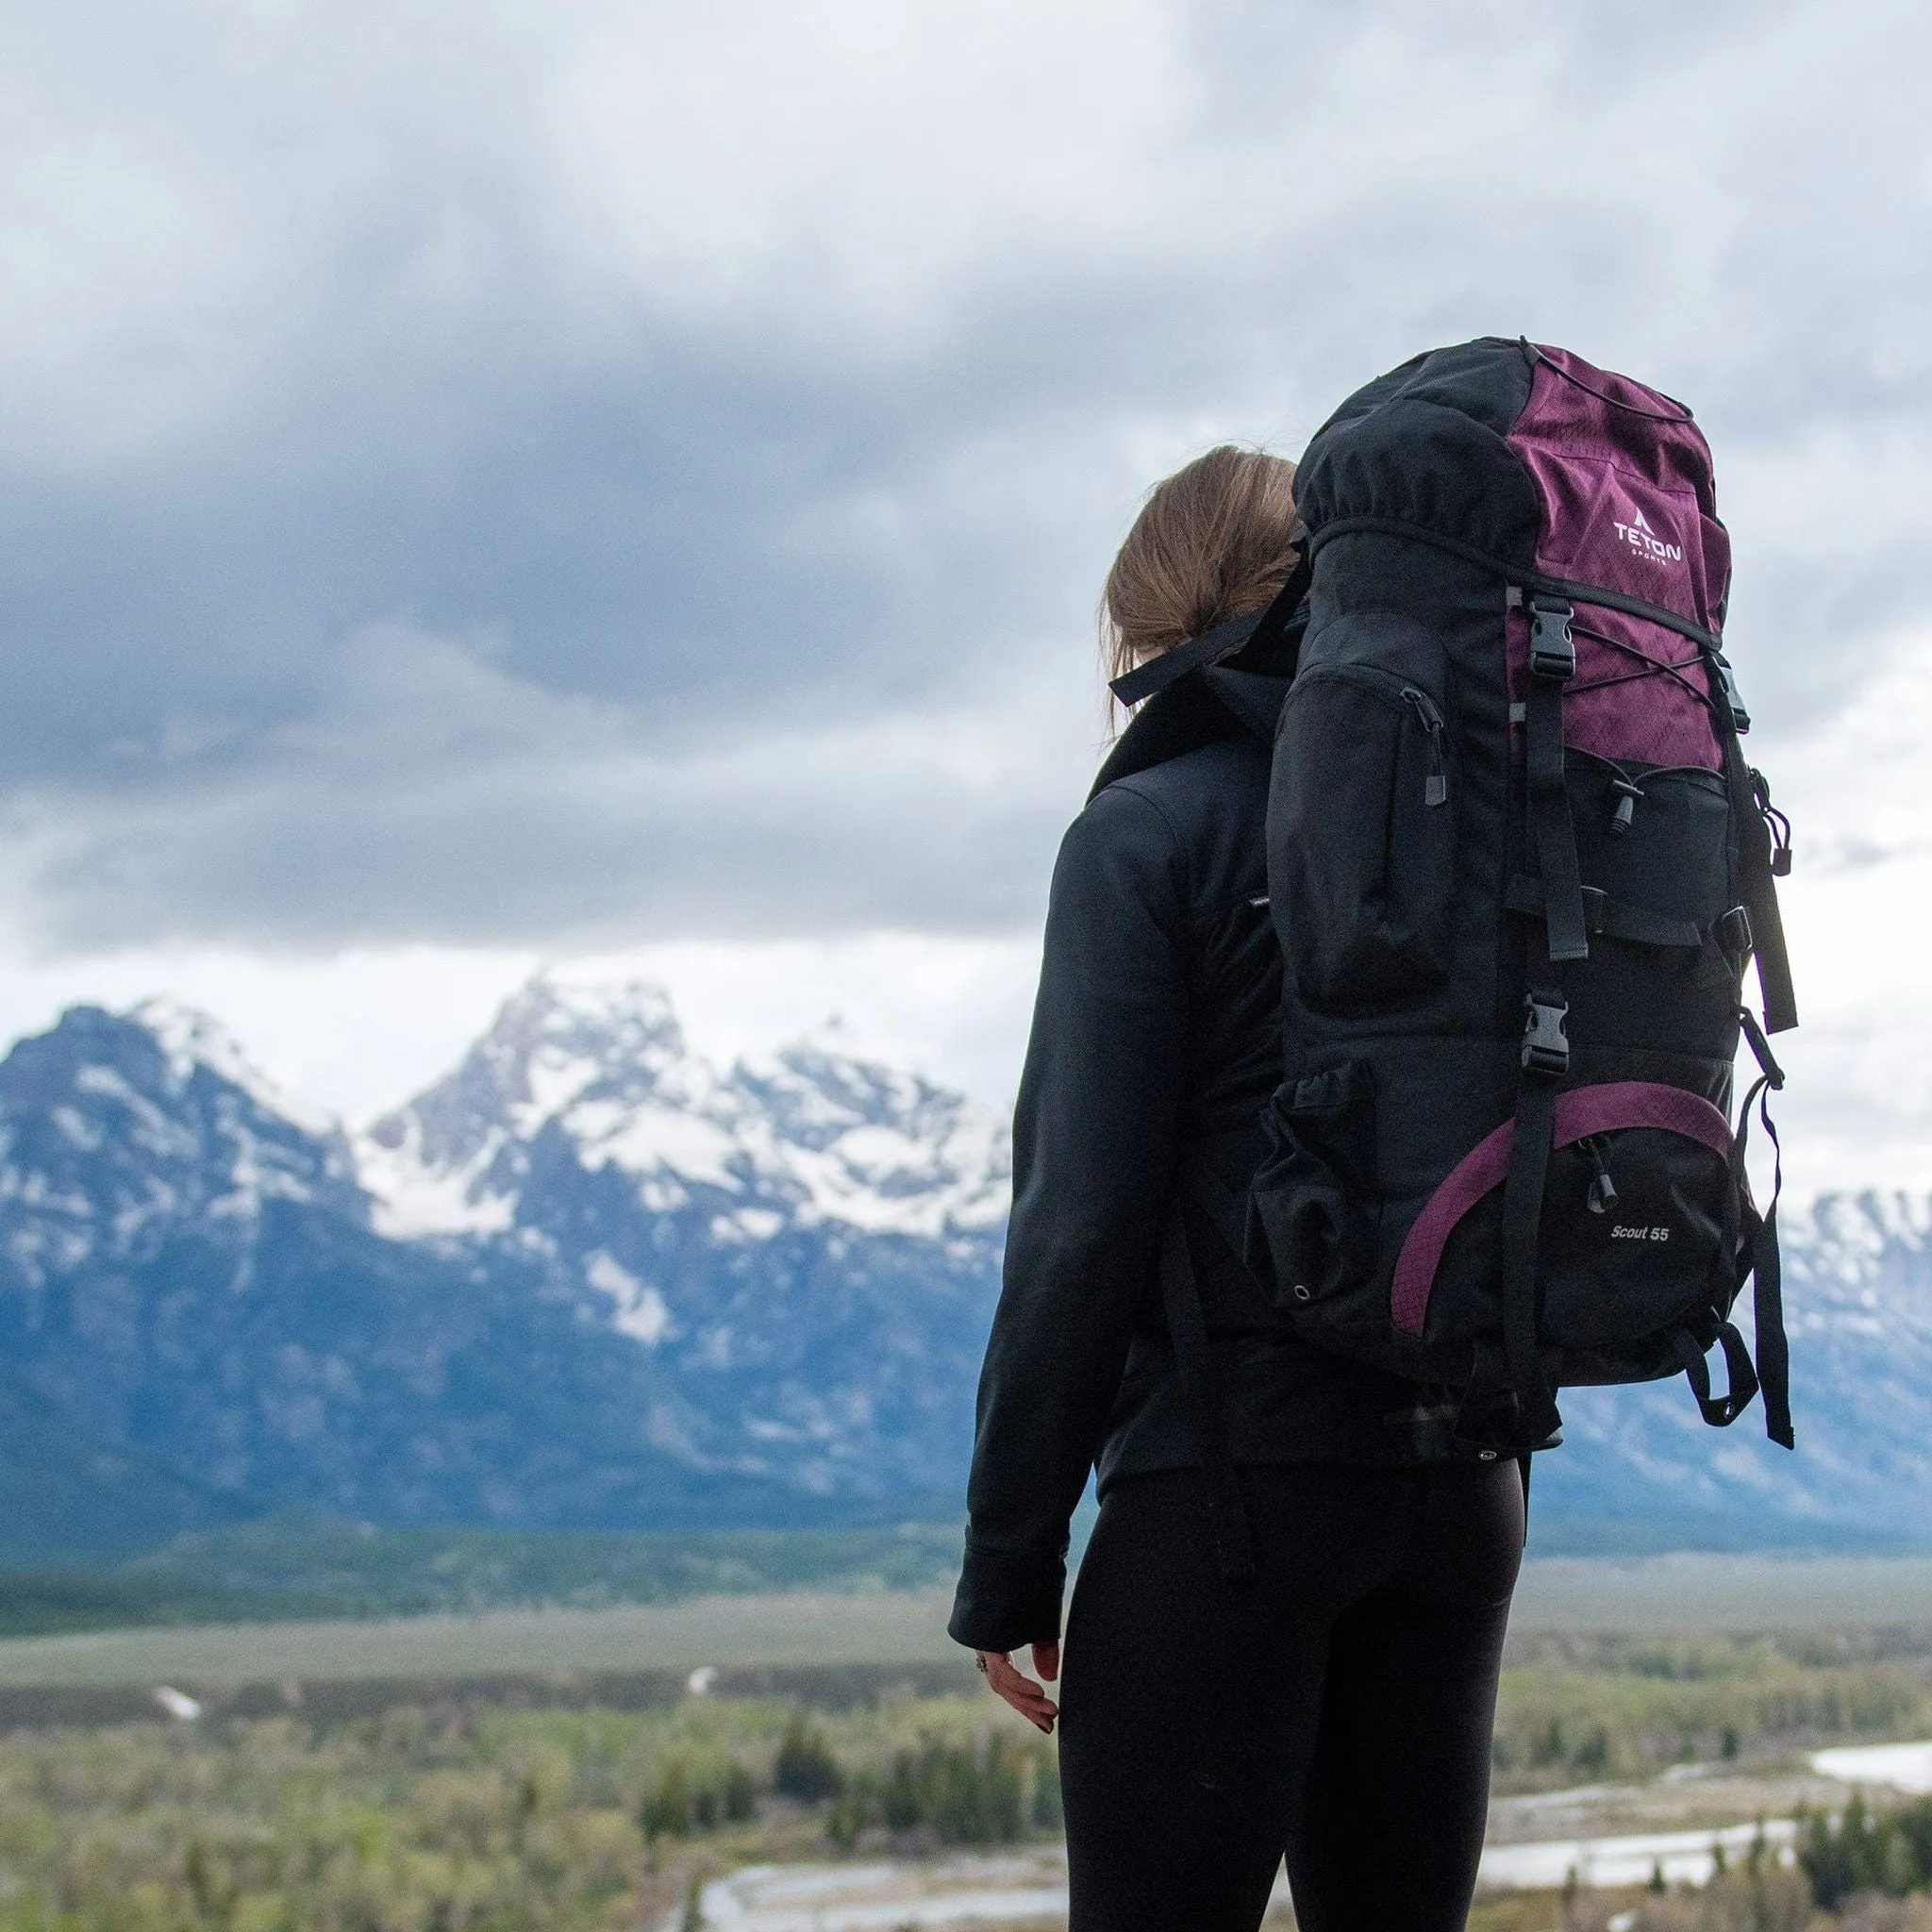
1007 1598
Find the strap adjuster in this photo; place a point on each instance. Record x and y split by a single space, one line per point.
1740 718
1545 1044
1551 648
1734 936
1760 1051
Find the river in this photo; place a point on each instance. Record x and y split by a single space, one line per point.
1028 1889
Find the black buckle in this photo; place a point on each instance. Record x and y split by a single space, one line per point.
1551 648
1740 718
1545 1044
1734 935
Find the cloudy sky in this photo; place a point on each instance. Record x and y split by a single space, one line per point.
491 484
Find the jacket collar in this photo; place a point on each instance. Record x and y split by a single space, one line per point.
1201 707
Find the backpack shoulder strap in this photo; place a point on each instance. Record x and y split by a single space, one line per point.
1250 632
1184 710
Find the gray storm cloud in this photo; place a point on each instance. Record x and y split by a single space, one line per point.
615 471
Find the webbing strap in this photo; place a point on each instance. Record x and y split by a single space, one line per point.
1223 640
1721 1411
1774 1348
1766 1263
1219 1202
1552 664
1616 918
1757 882
1513 571
1490 1424
1523 1209
1187 1326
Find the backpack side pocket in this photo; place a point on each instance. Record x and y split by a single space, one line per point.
1361 815
1640 1229
1312 1229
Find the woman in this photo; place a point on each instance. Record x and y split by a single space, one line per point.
1337 1705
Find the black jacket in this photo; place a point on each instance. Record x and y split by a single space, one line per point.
1155 1034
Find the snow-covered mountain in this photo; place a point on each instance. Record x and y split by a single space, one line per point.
811 1136
116 1128
587 1280
590 1279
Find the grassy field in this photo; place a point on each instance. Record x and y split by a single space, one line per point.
860 1627
868 1624
312 1569
1722 1593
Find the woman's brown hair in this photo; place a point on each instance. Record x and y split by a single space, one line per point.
1215 539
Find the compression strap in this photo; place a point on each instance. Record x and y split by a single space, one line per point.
1532 580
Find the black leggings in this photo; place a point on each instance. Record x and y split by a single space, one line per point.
1337 1708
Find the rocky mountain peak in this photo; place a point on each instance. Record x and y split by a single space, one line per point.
550 1043
586 1081
193 1040
117 1127
1848 1245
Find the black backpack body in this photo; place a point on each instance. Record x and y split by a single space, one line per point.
1518 866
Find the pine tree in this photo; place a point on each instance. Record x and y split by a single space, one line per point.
693 1918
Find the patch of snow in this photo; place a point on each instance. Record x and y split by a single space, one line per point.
554 1078
878 1898
75 1128
647 1138
191 1038
413 1200
636 1309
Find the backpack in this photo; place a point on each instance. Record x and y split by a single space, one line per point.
1518 866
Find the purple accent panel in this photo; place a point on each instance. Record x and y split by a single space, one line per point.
1654 720
1621 1103
1481 1169
1627 504
1585 1110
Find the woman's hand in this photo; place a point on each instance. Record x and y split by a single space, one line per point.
1021 1691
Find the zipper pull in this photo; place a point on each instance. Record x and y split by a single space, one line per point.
1780 827
1603 1189
1436 785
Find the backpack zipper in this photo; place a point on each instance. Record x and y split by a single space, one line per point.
1603 1189
1392 687
1436 785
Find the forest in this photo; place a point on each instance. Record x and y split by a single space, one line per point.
458 1809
